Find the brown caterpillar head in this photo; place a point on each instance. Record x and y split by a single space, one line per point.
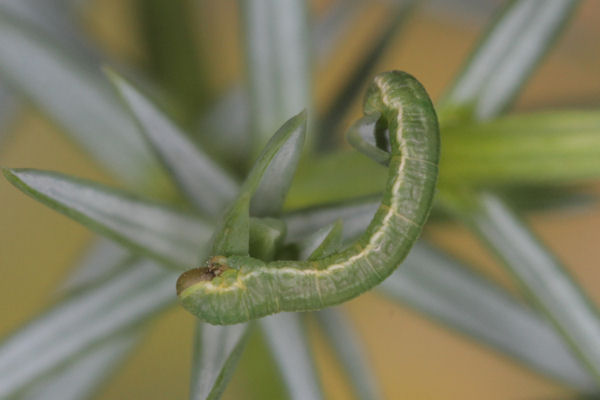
215 266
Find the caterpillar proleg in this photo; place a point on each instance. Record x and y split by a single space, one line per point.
233 289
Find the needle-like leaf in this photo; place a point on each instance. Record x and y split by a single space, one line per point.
505 57
544 279
444 290
232 235
542 148
277 178
103 259
322 243
286 337
173 237
341 337
217 350
81 377
361 73
224 128
203 181
277 46
56 19
75 96
335 21
355 216
490 81
83 320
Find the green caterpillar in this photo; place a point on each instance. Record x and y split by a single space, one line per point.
233 289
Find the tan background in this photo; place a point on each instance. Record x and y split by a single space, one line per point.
412 357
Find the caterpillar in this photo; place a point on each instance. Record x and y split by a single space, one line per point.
234 289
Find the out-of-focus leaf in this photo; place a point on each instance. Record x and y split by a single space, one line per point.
531 199
362 73
543 278
56 19
540 198
514 45
74 95
542 148
8 108
355 216
83 320
442 289
335 21
341 337
224 128
203 181
232 235
286 337
278 58
172 51
260 378
217 350
101 260
505 57
81 377
175 238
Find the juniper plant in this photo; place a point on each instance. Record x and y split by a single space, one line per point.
197 165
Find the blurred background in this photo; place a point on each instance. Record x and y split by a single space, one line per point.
412 357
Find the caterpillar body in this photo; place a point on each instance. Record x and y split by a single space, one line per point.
233 289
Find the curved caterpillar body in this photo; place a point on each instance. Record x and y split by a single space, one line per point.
239 288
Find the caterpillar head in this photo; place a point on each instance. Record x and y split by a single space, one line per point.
215 266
